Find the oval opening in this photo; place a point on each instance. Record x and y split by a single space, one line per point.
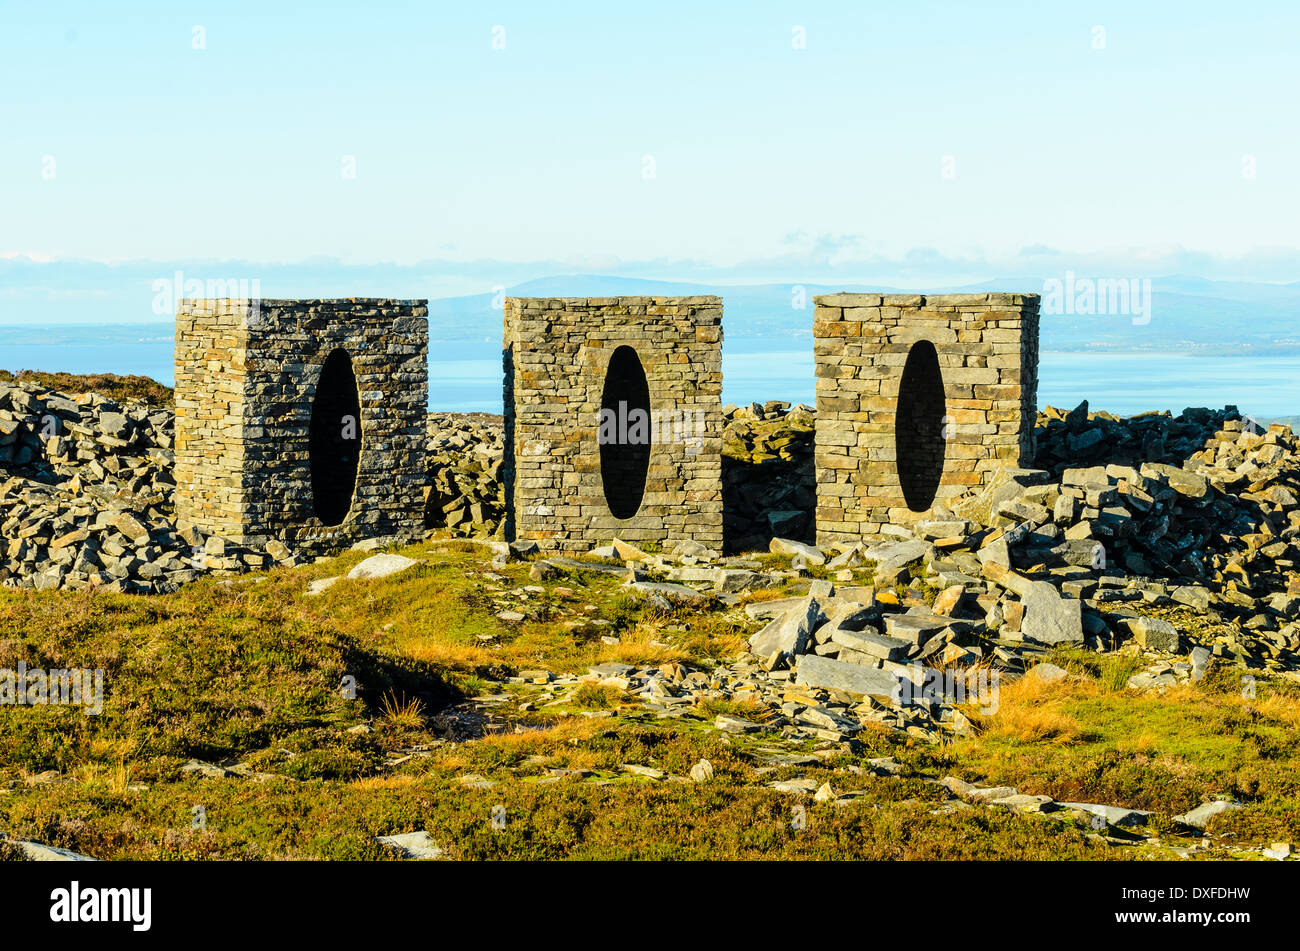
625 433
335 445
919 443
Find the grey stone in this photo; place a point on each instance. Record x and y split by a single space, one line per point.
36 852
790 633
1202 814
673 592
814 671
810 553
1154 633
869 642
1201 657
1114 815
321 585
413 845
915 629
1051 619
1047 673
381 566
892 558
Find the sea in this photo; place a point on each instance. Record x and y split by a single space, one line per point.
1266 387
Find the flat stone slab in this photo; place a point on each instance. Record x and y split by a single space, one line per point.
413 845
1202 814
381 566
1114 815
735 724
817 671
869 642
36 852
1022 802
573 564
1154 633
611 669
1047 673
760 610
673 592
321 585
901 552
915 629
1050 618
785 546
791 633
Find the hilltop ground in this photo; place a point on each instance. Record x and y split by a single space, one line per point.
244 675
511 706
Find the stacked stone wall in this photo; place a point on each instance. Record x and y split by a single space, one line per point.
903 430
560 479
246 384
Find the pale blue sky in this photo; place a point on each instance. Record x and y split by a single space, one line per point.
770 161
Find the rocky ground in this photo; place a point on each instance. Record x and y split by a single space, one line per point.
606 706
465 494
1171 536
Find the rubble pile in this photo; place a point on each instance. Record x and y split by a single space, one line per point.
1184 562
86 498
465 494
769 485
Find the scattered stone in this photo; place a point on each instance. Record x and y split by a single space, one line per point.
814 671
1113 815
1154 633
413 845
1279 851
702 771
36 852
1047 673
380 566
321 585
1050 618
649 772
1202 814
810 553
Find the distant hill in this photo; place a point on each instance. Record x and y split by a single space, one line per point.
1185 314
1188 314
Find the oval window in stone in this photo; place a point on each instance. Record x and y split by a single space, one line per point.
335 443
625 433
919 427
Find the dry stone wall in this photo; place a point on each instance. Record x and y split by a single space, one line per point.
919 399
571 484
266 453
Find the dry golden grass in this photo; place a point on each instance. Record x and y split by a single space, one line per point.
1144 744
376 783
1027 715
594 696
566 735
1275 706
401 712
762 594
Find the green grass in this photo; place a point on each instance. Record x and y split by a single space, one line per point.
251 671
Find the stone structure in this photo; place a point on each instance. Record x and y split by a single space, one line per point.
580 375
301 421
918 400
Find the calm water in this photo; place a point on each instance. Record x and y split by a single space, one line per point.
1120 382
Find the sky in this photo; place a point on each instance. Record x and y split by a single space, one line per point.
889 142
